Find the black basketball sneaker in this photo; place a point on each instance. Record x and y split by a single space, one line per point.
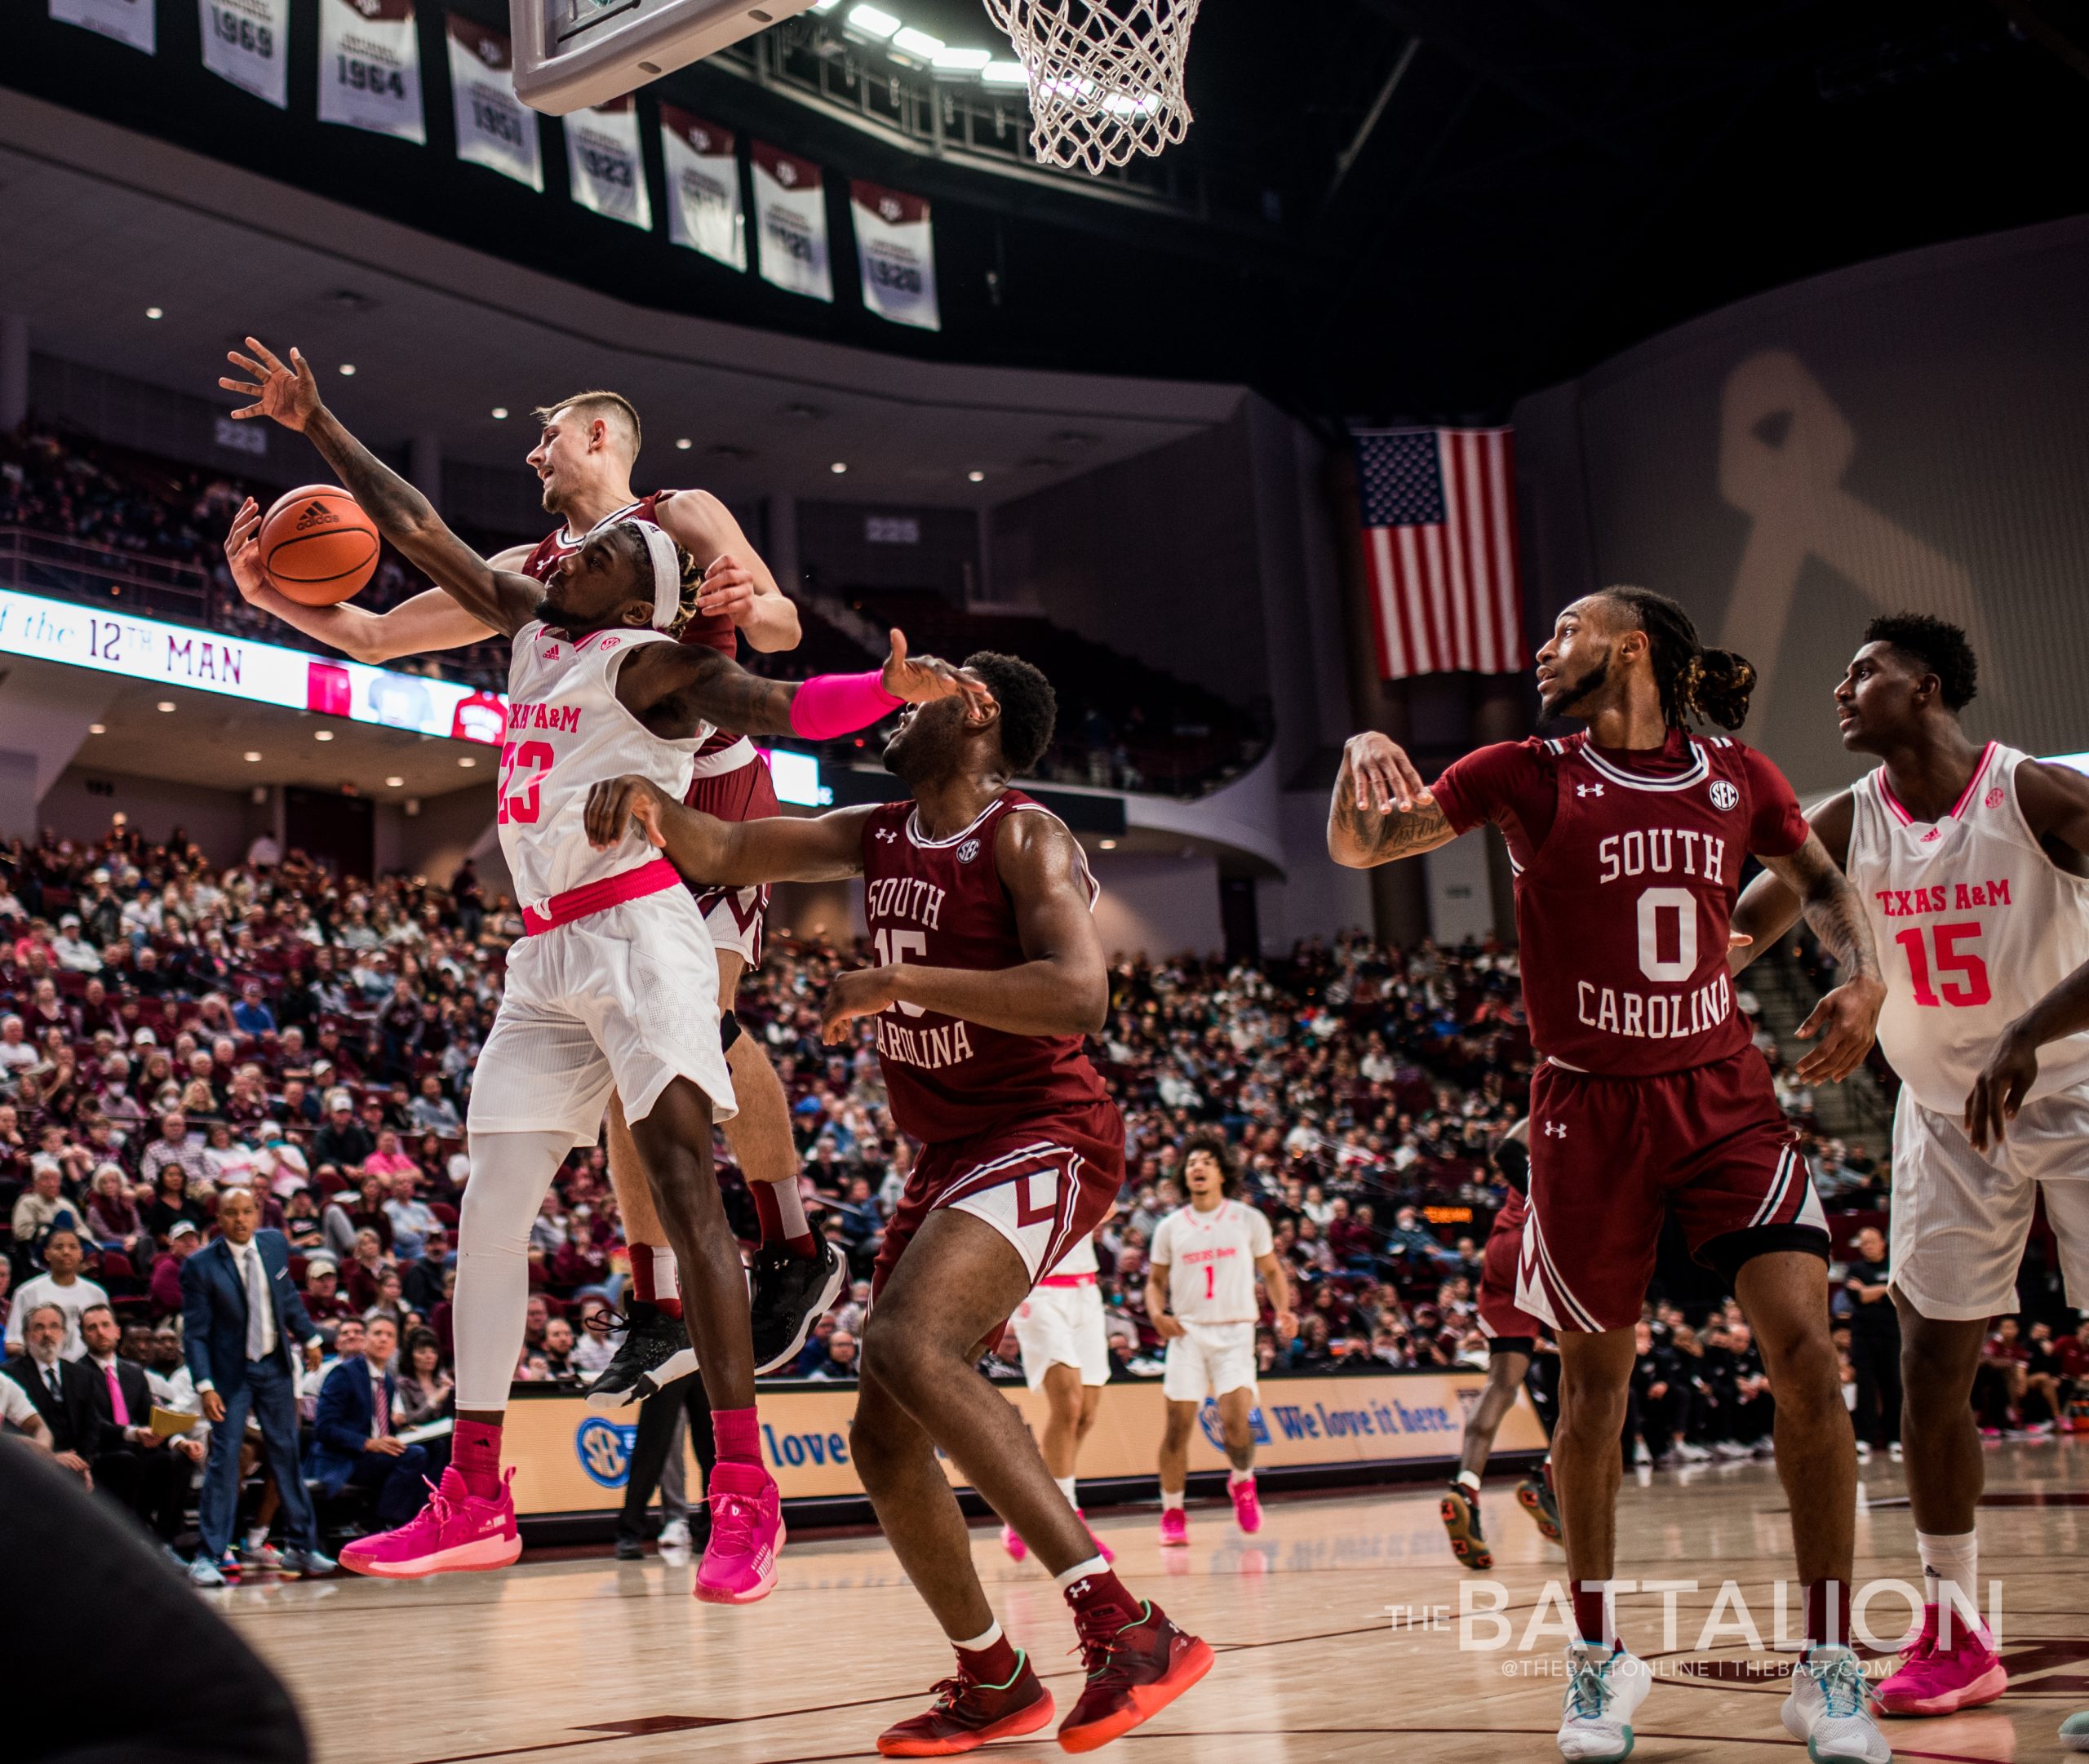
1460 1510
1534 1495
790 1293
656 1354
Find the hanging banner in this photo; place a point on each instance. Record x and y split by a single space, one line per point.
128 21
704 188
790 212
494 128
896 251
370 66
247 42
604 164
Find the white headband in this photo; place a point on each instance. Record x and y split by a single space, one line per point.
667 575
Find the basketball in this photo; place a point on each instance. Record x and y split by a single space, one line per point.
318 545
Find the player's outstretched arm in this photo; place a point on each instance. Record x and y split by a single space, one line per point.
2013 1067
749 594
1062 987
289 394
1381 810
1768 907
1846 1020
727 853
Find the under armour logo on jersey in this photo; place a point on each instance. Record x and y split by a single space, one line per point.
888 835
968 851
1588 790
1724 794
1555 1129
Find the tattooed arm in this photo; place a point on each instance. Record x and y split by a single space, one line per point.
1768 907
1846 1020
1381 809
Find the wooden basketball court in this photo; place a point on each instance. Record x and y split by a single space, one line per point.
613 1663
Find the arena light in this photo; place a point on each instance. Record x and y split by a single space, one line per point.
838 467
165 704
97 728
323 735
975 477
348 370
872 22
1005 73
796 778
963 61
683 443
251 757
468 762
155 312
500 413
394 783
1107 844
917 43
824 6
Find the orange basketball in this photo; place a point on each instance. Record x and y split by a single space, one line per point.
318 545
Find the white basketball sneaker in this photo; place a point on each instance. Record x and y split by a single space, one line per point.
1605 1686
1830 1708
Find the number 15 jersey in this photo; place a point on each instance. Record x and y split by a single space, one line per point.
1975 924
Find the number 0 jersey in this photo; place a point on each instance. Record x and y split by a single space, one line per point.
566 732
1975 924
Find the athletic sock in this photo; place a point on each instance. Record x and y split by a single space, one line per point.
1596 1612
1171 1500
475 1451
738 1436
1951 1573
1827 1613
256 1537
1467 1479
655 1279
1092 1590
1067 1484
781 1211
990 1657
1234 1478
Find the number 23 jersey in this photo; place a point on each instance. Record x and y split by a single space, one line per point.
1975 924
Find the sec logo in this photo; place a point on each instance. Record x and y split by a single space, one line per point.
968 851
604 1449
1724 795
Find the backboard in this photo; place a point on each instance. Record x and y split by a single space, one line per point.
572 54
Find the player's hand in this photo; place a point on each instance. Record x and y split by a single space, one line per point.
917 679
243 551
1846 1021
1383 776
1169 1326
289 394
214 1407
616 801
860 992
1284 1325
728 587
1998 1092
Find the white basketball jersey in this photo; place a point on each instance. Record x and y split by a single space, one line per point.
1211 1261
1974 923
1080 1259
566 732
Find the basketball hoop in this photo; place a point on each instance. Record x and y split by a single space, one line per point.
1106 75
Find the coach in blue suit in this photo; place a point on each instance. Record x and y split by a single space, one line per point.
243 1326
349 1444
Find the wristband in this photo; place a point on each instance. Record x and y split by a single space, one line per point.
828 705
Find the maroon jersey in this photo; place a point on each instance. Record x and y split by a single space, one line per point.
713 631
1626 870
940 903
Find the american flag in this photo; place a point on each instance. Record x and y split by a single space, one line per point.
1439 540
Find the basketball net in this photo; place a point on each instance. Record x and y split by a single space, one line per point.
1106 75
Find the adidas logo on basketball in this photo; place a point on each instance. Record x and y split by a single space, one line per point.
317 515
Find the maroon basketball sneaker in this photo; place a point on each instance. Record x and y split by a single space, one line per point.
966 1714
1135 1670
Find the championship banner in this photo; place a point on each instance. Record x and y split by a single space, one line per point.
494 128
604 164
570 1459
896 251
790 212
128 22
247 42
370 67
704 188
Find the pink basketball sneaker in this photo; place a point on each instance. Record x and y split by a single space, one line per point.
1247 1510
1101 1549
747 1533
455 1530
1012 1542
1174 1525
1933 1680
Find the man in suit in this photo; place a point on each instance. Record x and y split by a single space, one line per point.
132 1464
352 1440
243 1326
57 1386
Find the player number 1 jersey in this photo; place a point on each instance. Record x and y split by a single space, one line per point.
1211 1260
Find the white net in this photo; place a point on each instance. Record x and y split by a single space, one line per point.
1106 75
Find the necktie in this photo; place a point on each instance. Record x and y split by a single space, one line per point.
380 1410
51 1378
257 1304
116 1403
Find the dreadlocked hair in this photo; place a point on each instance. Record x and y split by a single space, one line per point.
692 581
1697 684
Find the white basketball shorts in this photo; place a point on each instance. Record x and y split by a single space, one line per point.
1208 1359
1961 1218
1062 1325
623 1000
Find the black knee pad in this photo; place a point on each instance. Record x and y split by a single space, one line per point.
728 1030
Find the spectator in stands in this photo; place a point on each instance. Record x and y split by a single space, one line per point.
580 1260
146 1472
44 1206
343 1140
390 1301
112 1218
252 1013
368 1213
434 1113
839 1359
173 1147
17 1054
355 1439
183 1240
558 1347
424 1387
364 1275
59 1388
76 955
324 1302
60 1284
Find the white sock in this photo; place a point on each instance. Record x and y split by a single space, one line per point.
1079 1571
1951 1568
985 1639
667 1278
1171 1500
1066 1488
1236 1478
790 1209
1468 1479
255 1538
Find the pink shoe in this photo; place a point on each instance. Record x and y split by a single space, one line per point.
1101 1549
1174 1527
456 1529
1012 1542
1933 1680
1247 1510
747 1533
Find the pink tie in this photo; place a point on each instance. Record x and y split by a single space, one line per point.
380 1409
116 1396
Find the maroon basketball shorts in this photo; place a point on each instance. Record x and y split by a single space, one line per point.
735 916
1043 1183
1610 1155
1509 1328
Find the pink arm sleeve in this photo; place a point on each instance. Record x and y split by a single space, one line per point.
828 705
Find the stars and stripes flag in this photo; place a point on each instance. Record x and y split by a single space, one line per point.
1439 545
